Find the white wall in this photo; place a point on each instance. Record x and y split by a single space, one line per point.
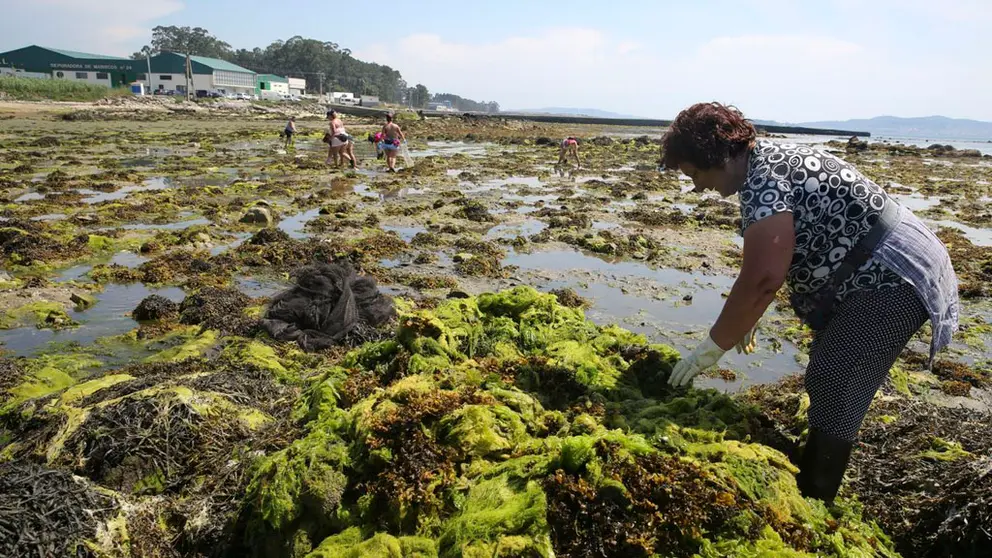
22 73
297 86
200 81
87 76
279 88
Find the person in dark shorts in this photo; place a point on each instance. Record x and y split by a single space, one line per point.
290 131
863 272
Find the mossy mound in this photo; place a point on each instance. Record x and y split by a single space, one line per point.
508 425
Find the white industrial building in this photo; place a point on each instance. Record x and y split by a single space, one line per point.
209 74
272 86
297 86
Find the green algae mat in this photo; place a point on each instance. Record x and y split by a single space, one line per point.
502 425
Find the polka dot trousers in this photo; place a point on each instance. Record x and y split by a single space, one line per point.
851 357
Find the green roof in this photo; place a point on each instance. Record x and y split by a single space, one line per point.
272 77
218 64
74 54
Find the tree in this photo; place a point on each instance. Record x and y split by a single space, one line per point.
299 56
185 40
419 96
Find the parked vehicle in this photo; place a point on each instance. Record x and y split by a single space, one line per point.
242 96
204 94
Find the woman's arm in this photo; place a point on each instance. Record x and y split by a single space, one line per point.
768 249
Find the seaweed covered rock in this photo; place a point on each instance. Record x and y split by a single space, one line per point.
473 210
269 235
155 307
218 308
508 424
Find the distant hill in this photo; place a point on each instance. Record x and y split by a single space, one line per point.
595 113
926 127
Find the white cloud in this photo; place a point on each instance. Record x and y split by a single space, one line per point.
114 27
784 77
627 46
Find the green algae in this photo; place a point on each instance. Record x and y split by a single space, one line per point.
80 391
34 313
446 445
262 356
48 374
193 347
499 517
350 544
944 450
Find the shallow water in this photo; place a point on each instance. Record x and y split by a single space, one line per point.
157 183
30 196
979 237
175 226
511 230
294 224
260 285
451 148
77 272
916 201
50 217
678 313
406 233
109 316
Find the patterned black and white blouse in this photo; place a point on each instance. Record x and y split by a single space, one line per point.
833 205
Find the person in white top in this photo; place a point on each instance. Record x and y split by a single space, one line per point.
341 146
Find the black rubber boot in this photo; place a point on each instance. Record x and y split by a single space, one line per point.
822 466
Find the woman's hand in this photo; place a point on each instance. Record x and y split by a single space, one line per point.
706 355
750 342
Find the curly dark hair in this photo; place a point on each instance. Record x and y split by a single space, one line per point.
706 135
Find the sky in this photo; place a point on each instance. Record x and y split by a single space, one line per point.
784 60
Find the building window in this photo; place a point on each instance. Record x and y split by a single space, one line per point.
82 75
234 79
101 75
142 77
165 77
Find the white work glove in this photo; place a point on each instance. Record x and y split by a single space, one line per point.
705 356
747 345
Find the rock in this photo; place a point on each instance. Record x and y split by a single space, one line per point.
268 236
462 257
257 216
263 203
57 319
544 141
457 294
854 144
86 219
569 298
5 277
602 141
155 307
149 247
201 237
82 300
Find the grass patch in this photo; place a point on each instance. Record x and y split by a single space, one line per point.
36 89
